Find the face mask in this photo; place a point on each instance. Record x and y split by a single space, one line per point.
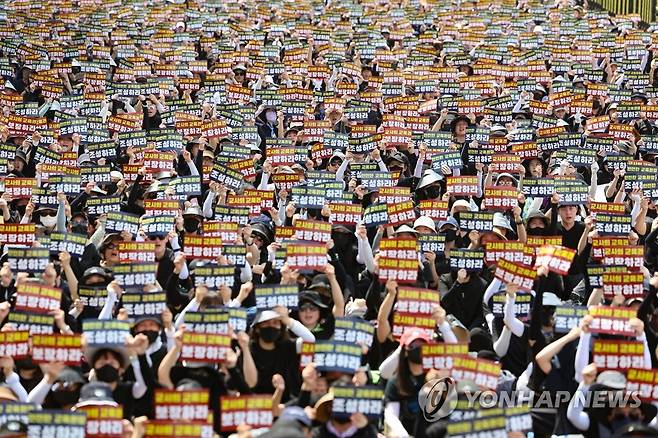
340 419
48 221
80 228
270 116
66 398
107 373
451 235
536 231
190 225
269 334
111 188
415 356
433 192
152 335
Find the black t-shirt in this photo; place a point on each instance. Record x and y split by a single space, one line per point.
207 377
283 360
409 406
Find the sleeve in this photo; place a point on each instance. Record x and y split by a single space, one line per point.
502 343
515 325
492 289
388 368
14 383
39 393
582 355
575 412
207 205
447 333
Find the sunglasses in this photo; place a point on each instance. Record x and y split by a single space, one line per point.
48 213
111 246
157 237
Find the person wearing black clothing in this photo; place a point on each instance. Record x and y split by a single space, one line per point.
571 232
464 296
275 353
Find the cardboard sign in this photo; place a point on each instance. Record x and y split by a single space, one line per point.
202 247
57 348
612 320
331 355
74 244
308 197
468 259
312 230
135 274
500 198
462 185
93 297
481 221
613 224
103 421
345 214
251 410
482 372
631 256
521 305
212 320
20 188
617 354
17 234
416 300
354 330
14 344
30 260
161 225
556 258
37 297
400 213
348 400
568 317
118 221
514 273
643 382
375 215
106 333
53 423
628 284
306 256
214 276
268 297
136 252
181 405
177 429
144 304
435 210
205 347
441 356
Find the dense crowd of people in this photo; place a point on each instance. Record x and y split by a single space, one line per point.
291 219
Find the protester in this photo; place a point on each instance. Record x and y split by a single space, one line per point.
334 219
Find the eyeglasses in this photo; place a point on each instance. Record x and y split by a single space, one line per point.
308 308
111 246
158 237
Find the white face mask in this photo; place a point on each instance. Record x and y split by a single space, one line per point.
48 221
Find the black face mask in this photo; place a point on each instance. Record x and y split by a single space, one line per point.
152 335
451 235
107 373
190 225
269 334
111 188
79 228
536 231
415 355
433 192
340 419
66 398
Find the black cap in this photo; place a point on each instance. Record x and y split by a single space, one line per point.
96 270
312 297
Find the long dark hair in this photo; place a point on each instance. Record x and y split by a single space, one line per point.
403 381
